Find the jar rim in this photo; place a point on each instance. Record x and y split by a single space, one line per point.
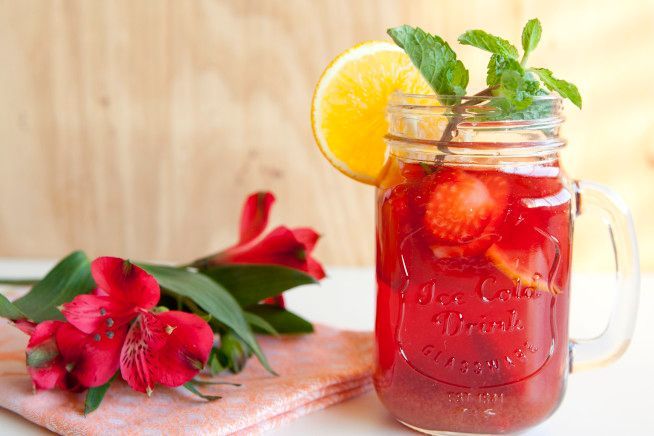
470 125
399 98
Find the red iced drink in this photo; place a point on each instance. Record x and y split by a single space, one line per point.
473 290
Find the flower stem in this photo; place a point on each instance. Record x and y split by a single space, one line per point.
458 110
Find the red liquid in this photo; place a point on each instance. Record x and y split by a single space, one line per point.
472 317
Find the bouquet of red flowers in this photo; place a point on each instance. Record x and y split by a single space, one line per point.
92 322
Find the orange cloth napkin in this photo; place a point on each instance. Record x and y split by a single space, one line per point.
316 371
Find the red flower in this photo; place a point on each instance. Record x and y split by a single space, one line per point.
281 246
168 348
45 364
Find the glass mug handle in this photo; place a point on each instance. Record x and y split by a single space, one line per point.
612 343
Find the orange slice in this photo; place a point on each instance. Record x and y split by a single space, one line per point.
533 256
349 106
511 264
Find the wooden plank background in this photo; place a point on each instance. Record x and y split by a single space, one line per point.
136 127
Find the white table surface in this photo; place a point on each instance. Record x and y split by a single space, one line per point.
616 400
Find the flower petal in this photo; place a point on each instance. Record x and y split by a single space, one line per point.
120 279
98 314
186 349
307 237
282 246
254 216
278 247
92 359
25 326
314 269
43 332
136 357
44 363
277 300
49 377
168 348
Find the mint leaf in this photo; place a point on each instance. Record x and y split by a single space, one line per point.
530 36
564 88
94 396
512 87
504 110
497 65
488 42
518 90
434 58
457 77
67 279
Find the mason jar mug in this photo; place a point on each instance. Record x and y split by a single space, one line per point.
475 217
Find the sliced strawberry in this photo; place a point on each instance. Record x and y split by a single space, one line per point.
398 200
416 171
463 206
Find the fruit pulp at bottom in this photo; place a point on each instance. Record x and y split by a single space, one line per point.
473 292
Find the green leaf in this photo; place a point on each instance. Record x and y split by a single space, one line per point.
211 297
215 367
531 36
282 320
189 386
505 111
435 60
233 353
485 41
564 88
42 355
428 169
458 77
497 65
250 284
94 396
9 310
518 90
195 381
259 324
18 282
69 278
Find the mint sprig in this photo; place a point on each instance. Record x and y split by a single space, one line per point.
519 89
435 60
499 64
488 42
565 89
508 75
530 37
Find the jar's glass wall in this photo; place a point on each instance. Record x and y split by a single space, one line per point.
473 259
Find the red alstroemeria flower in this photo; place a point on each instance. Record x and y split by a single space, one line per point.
45 364
60 356
281 246
113 328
